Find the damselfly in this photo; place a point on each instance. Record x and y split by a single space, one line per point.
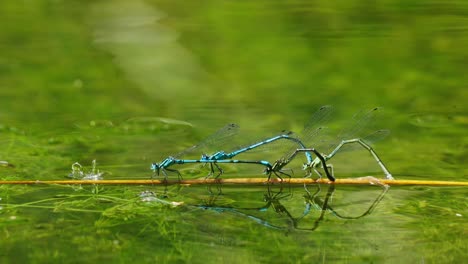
218 137
226 157
350 136
311 134
222 155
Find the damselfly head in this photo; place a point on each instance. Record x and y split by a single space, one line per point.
268 170
155 167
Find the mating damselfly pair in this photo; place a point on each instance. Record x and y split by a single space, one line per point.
307 143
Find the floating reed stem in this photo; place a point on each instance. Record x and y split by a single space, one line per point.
242 181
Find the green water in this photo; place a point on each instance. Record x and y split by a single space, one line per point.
127 83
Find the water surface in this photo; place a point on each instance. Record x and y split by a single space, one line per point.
128 83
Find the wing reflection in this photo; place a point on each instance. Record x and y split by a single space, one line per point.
283 210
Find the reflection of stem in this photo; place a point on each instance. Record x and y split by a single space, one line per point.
54 207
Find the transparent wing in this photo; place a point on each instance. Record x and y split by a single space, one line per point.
316 124
359 127
215 140
314 133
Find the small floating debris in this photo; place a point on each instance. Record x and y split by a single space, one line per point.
149 196
79 174
431 120
373 181
101 123
152 124
4 163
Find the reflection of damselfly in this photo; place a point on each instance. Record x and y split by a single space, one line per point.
273 202
270 198
314 200
347 136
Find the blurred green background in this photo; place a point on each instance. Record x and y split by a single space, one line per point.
154 56
262 64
